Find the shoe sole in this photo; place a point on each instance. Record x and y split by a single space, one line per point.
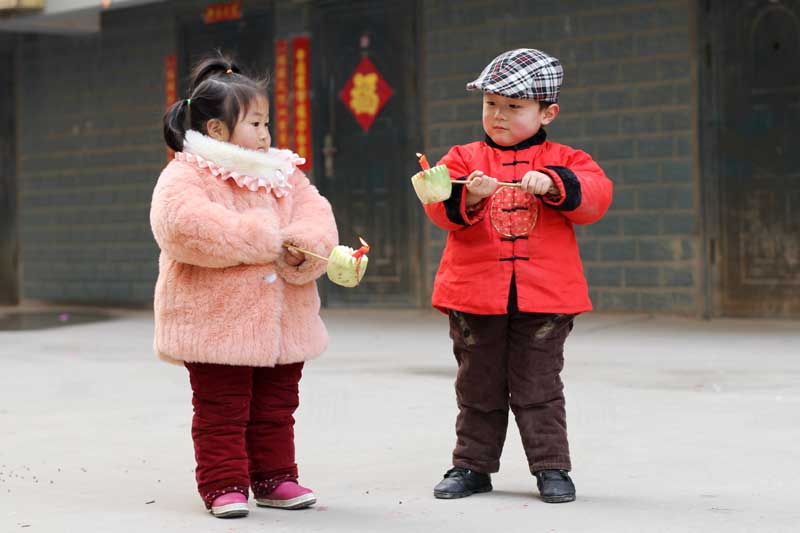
559 499
301 502
455 495
232 510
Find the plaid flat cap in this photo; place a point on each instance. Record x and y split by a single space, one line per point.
522 73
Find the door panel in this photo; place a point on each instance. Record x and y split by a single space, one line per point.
759 157
9 287
365 174
249 40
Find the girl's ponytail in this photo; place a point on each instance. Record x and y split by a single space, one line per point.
175 124
209 67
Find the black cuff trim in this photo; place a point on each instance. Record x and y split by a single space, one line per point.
572 189
452 206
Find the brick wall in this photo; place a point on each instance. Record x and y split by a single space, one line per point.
628 100
90 149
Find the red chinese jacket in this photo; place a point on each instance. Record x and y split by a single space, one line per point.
486 247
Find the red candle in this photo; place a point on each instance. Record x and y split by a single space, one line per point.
423 161
361 251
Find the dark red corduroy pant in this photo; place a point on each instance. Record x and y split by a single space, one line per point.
243 427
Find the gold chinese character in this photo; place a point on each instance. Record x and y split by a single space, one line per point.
364 97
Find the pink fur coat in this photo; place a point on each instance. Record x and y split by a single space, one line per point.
220 215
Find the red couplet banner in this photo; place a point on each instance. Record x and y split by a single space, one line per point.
170 87
281 94
301 48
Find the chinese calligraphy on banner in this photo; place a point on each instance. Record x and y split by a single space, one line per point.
282 94
170 87
222 12
301 47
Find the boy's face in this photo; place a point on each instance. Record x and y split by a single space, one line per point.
509 121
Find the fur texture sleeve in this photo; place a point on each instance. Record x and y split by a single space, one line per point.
311 227
192 229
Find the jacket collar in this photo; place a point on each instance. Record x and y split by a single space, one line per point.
539 138
274 166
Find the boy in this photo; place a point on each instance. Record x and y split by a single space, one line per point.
511 277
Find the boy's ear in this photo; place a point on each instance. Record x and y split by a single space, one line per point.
550 114
217 130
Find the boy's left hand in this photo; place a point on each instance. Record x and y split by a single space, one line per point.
293 257
539 184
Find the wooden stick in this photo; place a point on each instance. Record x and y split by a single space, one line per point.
306 252
499 183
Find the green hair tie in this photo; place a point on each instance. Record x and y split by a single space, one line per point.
188 101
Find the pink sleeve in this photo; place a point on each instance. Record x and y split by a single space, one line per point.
192 229
311 227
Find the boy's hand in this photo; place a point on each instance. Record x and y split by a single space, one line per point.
479 186
539 184
293 257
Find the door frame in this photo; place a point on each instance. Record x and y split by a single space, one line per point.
417 245
10 290
709 54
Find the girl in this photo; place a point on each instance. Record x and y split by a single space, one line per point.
232 304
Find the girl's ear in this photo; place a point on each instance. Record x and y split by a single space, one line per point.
218 130
550 114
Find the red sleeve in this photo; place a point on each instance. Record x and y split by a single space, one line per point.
451 214
585 190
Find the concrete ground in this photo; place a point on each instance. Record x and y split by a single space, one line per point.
675 425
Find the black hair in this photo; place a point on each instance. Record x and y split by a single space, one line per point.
218 90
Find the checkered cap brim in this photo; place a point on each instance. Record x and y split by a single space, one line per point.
522 73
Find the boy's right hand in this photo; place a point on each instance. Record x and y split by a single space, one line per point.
479 186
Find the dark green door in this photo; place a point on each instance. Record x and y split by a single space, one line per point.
249 41
365 174
759 157
9 288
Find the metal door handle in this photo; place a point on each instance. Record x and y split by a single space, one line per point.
328 152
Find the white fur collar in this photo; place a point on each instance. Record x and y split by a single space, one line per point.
273 167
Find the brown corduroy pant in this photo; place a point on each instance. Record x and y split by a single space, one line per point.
515 361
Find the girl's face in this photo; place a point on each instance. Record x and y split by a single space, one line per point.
251 132
509 121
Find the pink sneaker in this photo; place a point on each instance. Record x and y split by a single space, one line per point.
288 495
230 505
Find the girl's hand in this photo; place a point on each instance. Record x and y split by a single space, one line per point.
293 258
479 186
539 183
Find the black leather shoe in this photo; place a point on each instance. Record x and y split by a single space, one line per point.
555 486
461 482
